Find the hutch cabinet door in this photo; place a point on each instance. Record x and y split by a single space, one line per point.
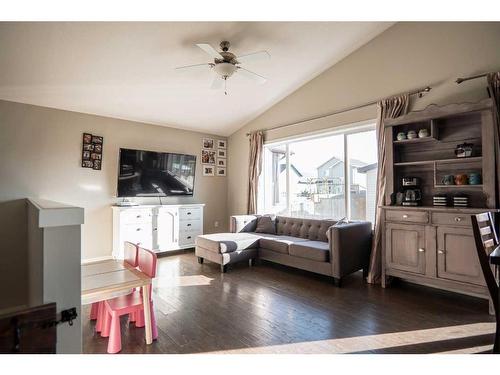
405 247
457 258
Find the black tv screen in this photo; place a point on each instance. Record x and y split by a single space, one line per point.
154 174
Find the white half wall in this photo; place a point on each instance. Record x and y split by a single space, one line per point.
54 270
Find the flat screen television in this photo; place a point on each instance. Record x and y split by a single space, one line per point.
155 174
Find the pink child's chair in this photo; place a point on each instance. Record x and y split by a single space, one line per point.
131 304
97 309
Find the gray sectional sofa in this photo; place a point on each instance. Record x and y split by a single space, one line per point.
326 247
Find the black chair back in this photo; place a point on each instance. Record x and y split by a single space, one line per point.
486 240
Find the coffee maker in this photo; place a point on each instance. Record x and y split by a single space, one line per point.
411 195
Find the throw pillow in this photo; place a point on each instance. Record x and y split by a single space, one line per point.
344 220
266 224
339 223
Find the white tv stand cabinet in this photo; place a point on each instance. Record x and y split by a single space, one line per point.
157 227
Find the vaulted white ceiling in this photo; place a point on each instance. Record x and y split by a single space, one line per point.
126 70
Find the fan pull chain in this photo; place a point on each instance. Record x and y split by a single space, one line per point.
225 85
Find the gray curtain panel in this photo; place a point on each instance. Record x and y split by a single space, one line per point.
254 169
387 108
494 90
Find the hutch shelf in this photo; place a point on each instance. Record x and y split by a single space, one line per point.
434 245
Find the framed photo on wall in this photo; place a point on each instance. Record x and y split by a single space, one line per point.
87 138
208 143
221 162
221 172
97 140
221 144
221 153
208 170
208 157
87 164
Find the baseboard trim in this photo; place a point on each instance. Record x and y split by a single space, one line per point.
162 254
97 259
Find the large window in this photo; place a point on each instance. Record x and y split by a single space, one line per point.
310 177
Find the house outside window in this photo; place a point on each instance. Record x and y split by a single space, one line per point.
309 177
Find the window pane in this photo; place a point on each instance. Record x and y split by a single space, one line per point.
272 192
362 153
311 183
317 178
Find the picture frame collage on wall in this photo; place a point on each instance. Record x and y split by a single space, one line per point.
214 157
92 151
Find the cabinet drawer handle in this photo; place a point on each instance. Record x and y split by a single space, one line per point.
405 216
138 216
440 252
155 228
458 219
188 225
421 250
188 237
138 229
188 213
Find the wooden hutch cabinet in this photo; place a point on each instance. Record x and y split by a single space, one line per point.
434 245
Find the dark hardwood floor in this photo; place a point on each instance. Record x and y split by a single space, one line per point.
274 309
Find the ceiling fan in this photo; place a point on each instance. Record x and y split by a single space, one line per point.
225 64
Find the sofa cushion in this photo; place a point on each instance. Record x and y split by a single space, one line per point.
278 243
318 251
228 242
311 229
266 224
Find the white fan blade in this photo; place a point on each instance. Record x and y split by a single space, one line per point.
251 75
256 56
194 67
217 83
210 50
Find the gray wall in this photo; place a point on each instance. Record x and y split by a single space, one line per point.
404 57
40 153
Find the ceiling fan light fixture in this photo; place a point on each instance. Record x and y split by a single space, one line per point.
225 63
225 70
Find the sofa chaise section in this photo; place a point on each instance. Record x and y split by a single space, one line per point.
226 248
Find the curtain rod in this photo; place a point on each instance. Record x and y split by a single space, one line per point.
460 80
420 92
